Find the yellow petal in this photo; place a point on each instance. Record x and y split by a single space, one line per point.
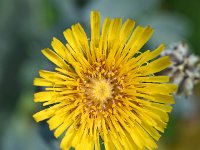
68 138
166 99
68 34
154 79
113 34
82 39
55 121
139 37
156 52
136 138
44 114
156 66
53 76
42 82
59 48
62 128
152 131
53 57
95 27
139 41
66 72
125 33
165 108
151 88
104 37
126 30
43 96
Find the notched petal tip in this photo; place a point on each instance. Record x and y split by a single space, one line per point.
41 82
95 18
95 12
95 26
175 87
43 114
35 118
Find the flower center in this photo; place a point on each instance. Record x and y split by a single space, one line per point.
101 90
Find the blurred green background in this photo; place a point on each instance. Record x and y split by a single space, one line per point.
27 26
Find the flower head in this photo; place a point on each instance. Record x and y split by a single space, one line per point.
185 68
105 88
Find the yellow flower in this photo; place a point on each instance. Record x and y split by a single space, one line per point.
104 88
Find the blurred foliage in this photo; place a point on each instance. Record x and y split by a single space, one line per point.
27 26
191 11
